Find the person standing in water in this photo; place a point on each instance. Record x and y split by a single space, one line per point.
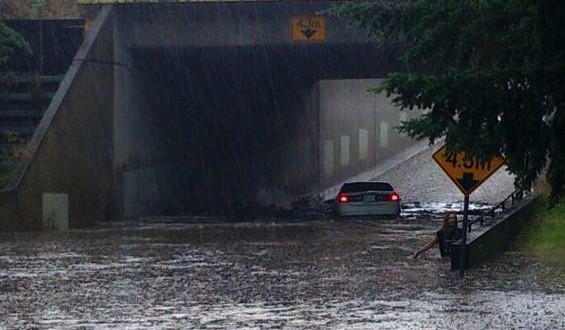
448 234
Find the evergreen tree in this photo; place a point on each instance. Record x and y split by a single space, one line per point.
10 40
490 72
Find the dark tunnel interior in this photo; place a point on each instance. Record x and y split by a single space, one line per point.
226 116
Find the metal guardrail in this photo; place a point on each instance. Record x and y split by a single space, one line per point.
515 196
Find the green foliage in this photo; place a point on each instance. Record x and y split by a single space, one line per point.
10 40
547 235
490 74
10 155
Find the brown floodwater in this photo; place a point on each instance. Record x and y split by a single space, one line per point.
266 274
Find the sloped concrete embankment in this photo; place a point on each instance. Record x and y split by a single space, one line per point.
70 153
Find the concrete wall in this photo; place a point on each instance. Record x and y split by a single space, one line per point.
8 212
299 162
225 24
357 129
495 239
139 154
71 150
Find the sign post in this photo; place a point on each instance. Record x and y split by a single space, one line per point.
468 173
463 252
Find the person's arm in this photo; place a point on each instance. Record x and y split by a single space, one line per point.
426 247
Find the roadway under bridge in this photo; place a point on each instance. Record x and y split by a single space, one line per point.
206 106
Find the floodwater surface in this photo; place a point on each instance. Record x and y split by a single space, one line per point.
268 274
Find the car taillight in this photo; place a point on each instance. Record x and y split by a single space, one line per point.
394 197
342 199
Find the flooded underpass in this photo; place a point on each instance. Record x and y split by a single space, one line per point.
205 273
183 121
299 269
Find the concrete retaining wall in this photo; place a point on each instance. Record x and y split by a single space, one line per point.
227 23
8 210
71 150
496 238
357 129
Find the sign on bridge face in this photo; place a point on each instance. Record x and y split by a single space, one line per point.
467 173
306 28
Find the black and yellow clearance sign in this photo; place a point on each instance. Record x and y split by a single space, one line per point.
311 28
467 173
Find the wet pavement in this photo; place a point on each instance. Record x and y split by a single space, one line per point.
199 273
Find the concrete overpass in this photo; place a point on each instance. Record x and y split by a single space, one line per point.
205 105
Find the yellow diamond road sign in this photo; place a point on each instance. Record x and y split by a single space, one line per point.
308 28
467 173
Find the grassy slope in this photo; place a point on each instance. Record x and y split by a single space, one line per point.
545 238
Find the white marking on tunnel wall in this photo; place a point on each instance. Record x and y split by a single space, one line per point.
344 150
363 143
328 157
55 209
383 136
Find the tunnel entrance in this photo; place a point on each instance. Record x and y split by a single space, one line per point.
207 106
229 127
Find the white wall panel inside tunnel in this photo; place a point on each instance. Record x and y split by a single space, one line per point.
328 160
363 144
344 150
384 133
360 124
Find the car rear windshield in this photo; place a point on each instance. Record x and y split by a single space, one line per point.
355 187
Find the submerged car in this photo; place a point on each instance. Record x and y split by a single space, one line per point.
367 198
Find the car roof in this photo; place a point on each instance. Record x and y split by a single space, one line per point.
352 187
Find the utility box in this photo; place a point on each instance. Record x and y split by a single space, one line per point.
55 211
